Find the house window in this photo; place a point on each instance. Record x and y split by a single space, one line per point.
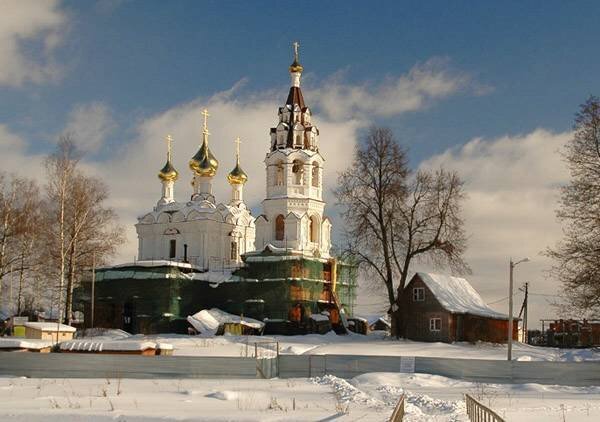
435 324
172 248
418 294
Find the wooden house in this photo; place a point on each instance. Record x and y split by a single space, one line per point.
443 308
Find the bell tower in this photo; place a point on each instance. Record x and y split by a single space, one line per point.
293 208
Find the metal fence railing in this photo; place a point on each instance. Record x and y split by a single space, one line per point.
398 413
477 412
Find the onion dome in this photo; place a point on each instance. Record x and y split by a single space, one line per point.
204 162
296 67
237 176
168 172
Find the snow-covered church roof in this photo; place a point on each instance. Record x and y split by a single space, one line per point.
456 295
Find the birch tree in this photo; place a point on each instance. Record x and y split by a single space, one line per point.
80 224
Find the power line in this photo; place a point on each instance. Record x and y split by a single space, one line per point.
501 300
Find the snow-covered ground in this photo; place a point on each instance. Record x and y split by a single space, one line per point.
354 344
368 397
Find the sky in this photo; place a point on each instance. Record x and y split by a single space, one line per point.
488 89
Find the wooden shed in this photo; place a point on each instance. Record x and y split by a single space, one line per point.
49 331
443 308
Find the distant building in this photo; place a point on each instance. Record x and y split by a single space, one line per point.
570 333
443 308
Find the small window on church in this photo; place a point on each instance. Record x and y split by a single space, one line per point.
279 227
279 174
298 170
172 248
315 175
418 294
234 251
435 324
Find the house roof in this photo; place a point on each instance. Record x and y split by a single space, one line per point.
456 295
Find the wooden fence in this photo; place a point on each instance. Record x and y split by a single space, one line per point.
477 412
398 413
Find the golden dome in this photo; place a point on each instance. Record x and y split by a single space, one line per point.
296 67
237 176
168 173
204 162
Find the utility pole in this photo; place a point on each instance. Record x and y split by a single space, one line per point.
525 327
510 311
523 312
510 305
93 289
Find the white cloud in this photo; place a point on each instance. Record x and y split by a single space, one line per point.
29 32
89 125
424 83
512 185
16 159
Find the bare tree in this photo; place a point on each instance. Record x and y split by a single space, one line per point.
60 169
394 218
19 205
79 224
93 232
577 256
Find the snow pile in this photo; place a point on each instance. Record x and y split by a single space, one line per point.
24 343
346 392
209 320
319 317
109 346
103 333
456 295
50 327
224 395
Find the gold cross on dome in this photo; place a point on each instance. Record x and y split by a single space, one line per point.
296 45
205 114
169 140
237 141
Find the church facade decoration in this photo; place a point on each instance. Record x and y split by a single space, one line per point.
201 232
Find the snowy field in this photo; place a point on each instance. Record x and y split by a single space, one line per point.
374 344
368 397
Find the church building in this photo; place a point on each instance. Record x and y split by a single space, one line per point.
199 231
200 254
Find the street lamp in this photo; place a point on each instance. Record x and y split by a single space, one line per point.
510 305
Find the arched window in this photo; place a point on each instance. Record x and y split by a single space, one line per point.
298 170
313 226
279 174
172 248
234 250
315 175
299 140
279 227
